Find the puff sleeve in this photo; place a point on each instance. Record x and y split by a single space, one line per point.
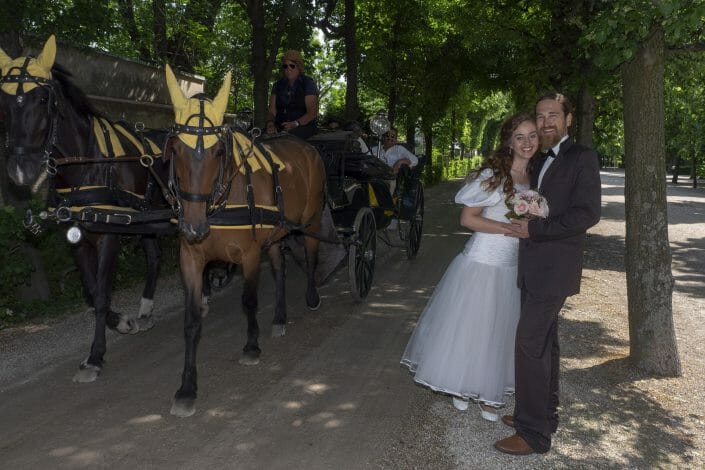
474 195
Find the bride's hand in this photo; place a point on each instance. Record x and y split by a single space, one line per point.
505 228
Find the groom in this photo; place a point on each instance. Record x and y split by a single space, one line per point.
550 266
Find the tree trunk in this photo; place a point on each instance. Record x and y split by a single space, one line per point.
411 132
393 98
352 61
263 64
676 170
652 338
161 45
586 117
453 133
127 12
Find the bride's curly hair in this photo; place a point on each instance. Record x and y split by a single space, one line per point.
500 160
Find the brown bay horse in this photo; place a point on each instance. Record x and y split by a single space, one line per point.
53 131
236 199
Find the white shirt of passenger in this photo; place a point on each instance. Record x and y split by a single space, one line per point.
396 153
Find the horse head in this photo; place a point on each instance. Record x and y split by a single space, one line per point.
28 102
199 150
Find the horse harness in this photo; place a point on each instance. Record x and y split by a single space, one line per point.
20 79
219 214
92 204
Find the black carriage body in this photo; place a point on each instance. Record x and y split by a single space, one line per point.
355 179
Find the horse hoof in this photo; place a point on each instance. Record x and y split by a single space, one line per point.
278 330
145 323
248 360
315 304
127 326
146 307
87 373
183 407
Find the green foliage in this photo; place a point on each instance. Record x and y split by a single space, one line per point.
452 169
15 269
685 100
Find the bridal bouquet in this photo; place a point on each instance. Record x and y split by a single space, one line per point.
527 204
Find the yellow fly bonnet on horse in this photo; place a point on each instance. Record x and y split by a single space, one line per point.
39 67
187 110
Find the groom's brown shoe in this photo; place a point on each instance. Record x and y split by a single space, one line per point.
508 420
514 445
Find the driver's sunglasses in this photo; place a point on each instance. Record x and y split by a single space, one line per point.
288 66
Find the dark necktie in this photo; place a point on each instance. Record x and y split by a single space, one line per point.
550 153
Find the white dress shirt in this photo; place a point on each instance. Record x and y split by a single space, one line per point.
549 159
394 154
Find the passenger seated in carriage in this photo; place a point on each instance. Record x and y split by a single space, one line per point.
293 105
395 155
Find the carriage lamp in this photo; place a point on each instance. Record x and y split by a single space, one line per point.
243 119
379 124
74 235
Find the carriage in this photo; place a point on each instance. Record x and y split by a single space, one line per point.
363 207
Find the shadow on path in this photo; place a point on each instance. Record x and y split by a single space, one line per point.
609 405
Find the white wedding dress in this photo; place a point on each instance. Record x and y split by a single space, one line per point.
463 344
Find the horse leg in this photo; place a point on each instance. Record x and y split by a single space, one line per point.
192 274
313 300
143 321
276 258
108 247
151 248
250 271
206 292
86 258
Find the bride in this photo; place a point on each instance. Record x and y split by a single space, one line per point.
463 344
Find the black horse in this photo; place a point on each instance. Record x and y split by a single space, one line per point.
104 179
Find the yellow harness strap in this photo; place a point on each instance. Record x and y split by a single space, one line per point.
114 139
133 140
253 154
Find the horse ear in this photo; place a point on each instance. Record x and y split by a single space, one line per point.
4 58
48 56
220 102
178 99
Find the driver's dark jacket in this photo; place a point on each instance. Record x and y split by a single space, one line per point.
291 101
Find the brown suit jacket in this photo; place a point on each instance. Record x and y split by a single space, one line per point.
551 259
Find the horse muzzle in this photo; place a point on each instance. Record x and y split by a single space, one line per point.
194 234
22 168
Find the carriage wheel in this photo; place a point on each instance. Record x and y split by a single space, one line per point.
361 254
413 239
220 274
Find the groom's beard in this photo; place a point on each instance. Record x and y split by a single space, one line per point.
549 141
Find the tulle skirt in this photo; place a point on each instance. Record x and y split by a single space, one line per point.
463 344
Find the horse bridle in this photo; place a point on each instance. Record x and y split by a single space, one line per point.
25 77
216 199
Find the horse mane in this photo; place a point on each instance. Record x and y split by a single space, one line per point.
72 93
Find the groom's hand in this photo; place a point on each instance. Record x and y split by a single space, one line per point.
520 228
